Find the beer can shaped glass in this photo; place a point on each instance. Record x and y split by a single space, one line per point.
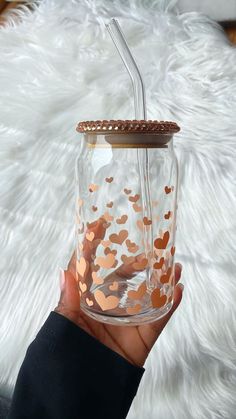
126 202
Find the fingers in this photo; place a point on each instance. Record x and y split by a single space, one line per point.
69 303
178 271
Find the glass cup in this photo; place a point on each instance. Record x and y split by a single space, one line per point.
126 202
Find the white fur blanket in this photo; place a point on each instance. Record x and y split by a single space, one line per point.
59 66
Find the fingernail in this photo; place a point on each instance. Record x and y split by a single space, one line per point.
62 279
181 286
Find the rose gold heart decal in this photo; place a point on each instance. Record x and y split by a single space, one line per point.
106 262
114 286
131 246
134 198
94 208
122 219
80 202
97 279
119 238
127 191
105 243
139 293
139 266
165 278
110 204
81 266
108 250
140 224
172 250
158 301
162 243
89 302
106 303
158 265
134 310
94 267
168 215
167 190
90 236
107 216
146 221
127 260
109 179
82 286
136 207
93 187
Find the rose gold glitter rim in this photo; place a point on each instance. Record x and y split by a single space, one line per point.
124 126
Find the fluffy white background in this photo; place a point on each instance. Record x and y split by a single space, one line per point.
59 66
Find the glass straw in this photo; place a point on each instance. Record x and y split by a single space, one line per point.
118 38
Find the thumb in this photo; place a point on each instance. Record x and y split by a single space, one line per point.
69 302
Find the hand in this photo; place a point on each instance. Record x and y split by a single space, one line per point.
132 342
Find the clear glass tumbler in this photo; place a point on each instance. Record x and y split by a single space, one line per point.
126 201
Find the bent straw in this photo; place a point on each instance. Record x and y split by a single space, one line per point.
118 39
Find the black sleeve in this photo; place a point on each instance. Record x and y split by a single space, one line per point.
69 374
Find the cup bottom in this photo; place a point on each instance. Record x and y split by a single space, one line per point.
144 317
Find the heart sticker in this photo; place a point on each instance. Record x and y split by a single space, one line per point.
136 207
114 286
89 302
106 303
109 179
122 219
146 221
157 299
90 236
158 265
97 279
134 310
80 202
108 250
106 262
81 266
140 224
94 208
119 238
168 215
105 243
93 187
167 190
139 293
127 191
110 204
162 243
82 286
131 246
134 198
165 278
